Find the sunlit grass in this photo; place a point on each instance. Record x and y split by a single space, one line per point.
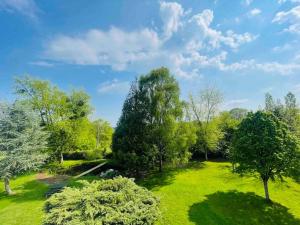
208 193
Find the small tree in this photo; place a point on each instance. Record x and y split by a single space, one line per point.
263 144
22 141
110 202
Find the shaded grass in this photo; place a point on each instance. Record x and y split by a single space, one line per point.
211 194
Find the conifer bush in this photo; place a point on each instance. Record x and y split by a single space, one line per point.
105 202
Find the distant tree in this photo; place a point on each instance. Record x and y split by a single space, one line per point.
203 108
111 201
227 125
238 113
263 144
22 142
103 133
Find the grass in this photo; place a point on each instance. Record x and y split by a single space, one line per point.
202 193
26 206
208 193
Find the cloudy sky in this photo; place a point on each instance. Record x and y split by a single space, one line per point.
244 47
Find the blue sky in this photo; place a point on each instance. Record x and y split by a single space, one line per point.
244 47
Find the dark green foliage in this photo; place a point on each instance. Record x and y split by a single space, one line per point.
263 144
107 202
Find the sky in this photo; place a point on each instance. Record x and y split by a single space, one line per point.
244 47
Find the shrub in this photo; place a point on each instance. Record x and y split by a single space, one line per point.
107 202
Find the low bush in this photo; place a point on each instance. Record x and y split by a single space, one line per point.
105 202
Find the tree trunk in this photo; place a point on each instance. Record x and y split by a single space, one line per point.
266 190
206 156
61 158
160 163
7 187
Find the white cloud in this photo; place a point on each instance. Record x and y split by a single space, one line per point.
247 2
283 1
292 17
254 12
214 37
182 46
171 13
41 63
27 8
114 86
114 47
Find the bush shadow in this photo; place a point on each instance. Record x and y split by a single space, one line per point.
230 208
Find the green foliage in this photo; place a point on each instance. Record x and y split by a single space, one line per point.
150 127
113 201
103 133
228 123
203 109
65 116
262 144
238 113
22 141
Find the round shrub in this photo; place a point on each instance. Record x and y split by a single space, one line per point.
117 201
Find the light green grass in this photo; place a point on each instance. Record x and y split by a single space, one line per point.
201 194
208 193
26 206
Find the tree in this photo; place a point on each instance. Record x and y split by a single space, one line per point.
238 113
103 133
110 202
228 123
263 144
151 119
203 109
22 141
131 144
63 115
161 94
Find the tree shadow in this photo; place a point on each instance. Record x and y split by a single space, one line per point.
29 191
230 208
157 180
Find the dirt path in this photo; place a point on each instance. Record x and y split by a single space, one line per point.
51 180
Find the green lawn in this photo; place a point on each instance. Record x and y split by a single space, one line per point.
208 193
204 193
26 206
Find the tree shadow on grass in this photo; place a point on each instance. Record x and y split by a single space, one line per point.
231 208
29 191
159 179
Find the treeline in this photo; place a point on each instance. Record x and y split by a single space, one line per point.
156 127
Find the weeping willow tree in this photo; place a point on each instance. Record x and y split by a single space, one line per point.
22 142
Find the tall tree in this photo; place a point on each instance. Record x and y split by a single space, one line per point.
151 124
204 107
22 141
131 140
161 94
263 144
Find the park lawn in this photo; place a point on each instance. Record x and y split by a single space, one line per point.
202 193
208 193
26 206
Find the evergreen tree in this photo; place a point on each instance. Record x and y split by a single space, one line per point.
22 141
